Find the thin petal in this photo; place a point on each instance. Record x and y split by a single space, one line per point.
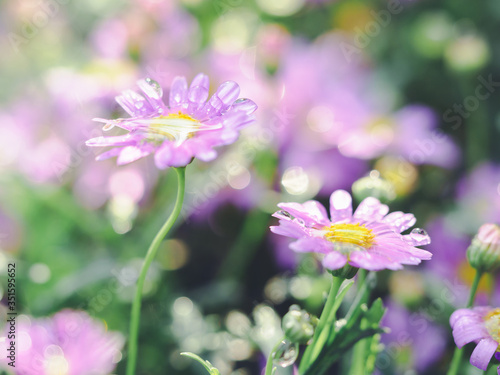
152 91
340 206
134 103
334 260
178 92
400 221
483 352
198 91
119 140
289 228
372 261
310 245
228 92
311 212
131 153
109 154
370 209
244 105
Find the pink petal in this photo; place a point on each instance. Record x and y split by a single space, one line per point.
153 93
228 92
370 209
109 154
198 91
134 103
483 352
289 229
334 260
371 261
311 212
119 140
466 330
340 206
131 153
400 221
458 314
316 210
182 156
244 105
311 245
178 92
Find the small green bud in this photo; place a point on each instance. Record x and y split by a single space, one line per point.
298 325
347 272
373 186
484 251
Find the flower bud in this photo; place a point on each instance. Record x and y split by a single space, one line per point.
298 325
373 186
347 272
484 251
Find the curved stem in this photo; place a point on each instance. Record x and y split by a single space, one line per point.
457 355
270 364
151 254
322 330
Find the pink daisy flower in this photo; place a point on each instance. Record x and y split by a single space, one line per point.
480 325
188 127
370 238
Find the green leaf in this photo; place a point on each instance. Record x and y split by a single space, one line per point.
376 312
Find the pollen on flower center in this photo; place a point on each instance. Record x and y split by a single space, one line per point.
174 126
492 324
355 234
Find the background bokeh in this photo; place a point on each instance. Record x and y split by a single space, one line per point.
407 91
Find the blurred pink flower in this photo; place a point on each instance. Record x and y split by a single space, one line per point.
70 342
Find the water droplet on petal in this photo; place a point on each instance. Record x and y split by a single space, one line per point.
108 126
300 221
240 100
156 87
286 354
419 237
419 232
285 214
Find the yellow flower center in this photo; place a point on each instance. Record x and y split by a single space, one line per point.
174 126
354 234
492 323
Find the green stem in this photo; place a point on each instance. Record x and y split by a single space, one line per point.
151 254
322 330
457 355
359 352
270 359
473 288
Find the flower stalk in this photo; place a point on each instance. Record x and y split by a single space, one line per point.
325 321
150 256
